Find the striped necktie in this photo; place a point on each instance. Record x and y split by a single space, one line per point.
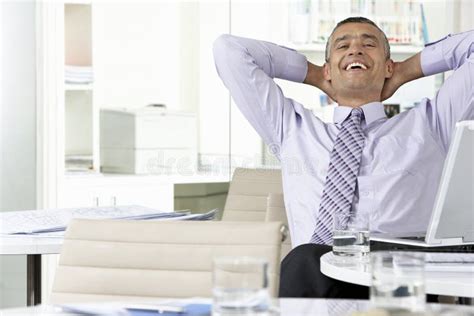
341 179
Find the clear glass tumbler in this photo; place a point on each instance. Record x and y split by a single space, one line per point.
398 280
350 237
240 286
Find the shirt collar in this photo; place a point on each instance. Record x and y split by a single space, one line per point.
372 111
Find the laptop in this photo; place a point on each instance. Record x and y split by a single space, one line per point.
452 219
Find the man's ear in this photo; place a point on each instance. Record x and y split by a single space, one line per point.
326 72
389 68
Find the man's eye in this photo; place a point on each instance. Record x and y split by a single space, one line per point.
369 45
342 46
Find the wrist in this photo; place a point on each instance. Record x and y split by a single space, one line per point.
411 69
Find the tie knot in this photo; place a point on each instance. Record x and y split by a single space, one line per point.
357 112
356 115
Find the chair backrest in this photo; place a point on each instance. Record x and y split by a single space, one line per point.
276 212
134 260
248 192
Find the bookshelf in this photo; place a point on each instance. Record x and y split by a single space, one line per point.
80 111
401 20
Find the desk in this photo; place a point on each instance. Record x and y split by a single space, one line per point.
287 306
33 248
438 283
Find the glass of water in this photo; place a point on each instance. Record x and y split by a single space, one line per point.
240 286
398 280
350 237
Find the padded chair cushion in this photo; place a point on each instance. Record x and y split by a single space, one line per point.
248 191
122 260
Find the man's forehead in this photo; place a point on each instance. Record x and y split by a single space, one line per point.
355 30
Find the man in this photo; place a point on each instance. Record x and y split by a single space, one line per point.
384 170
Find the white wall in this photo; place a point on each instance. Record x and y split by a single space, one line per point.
466 13
17 131
136 53
213 96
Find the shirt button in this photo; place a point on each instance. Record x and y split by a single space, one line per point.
364 193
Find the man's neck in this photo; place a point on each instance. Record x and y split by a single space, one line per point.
356 101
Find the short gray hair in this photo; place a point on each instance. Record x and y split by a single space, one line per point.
357 19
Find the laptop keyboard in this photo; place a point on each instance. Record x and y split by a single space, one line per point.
415 238
450 258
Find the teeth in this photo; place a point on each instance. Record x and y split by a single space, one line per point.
356 64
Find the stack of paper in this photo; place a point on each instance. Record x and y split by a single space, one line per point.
78 75
185 307
56 220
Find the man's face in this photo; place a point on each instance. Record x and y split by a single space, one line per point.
357 61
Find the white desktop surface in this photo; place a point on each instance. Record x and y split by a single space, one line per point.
286 306
26 245
439 283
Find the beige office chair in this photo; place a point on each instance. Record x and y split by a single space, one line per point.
276 212
248 192
105 260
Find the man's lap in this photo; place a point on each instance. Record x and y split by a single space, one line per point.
301 276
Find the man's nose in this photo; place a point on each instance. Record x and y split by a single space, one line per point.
356 49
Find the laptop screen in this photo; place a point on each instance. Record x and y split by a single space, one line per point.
453 214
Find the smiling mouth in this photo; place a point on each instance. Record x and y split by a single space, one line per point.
356 66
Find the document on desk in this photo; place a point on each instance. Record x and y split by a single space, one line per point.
53 222
449 262
185 307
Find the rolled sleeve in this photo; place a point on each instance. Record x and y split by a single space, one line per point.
432 59
449 53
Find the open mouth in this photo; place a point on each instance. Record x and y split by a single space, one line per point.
356 66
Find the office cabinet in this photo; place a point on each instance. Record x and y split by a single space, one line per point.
147 141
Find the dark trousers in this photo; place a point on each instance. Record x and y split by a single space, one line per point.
300 276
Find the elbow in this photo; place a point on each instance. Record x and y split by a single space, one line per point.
221 52
221 41
225 48
221 45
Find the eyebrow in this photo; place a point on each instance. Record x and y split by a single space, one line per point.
347 36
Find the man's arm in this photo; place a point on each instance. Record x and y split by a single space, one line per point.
446 54
455 99
247 68
403 72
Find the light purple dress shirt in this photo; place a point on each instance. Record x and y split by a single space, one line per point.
403 156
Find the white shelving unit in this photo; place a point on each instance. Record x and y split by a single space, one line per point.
133 69
80 109
103 36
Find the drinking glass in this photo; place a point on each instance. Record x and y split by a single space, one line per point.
240 286
350 237
398 280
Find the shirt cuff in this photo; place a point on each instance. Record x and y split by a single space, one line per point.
296 67
432 58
